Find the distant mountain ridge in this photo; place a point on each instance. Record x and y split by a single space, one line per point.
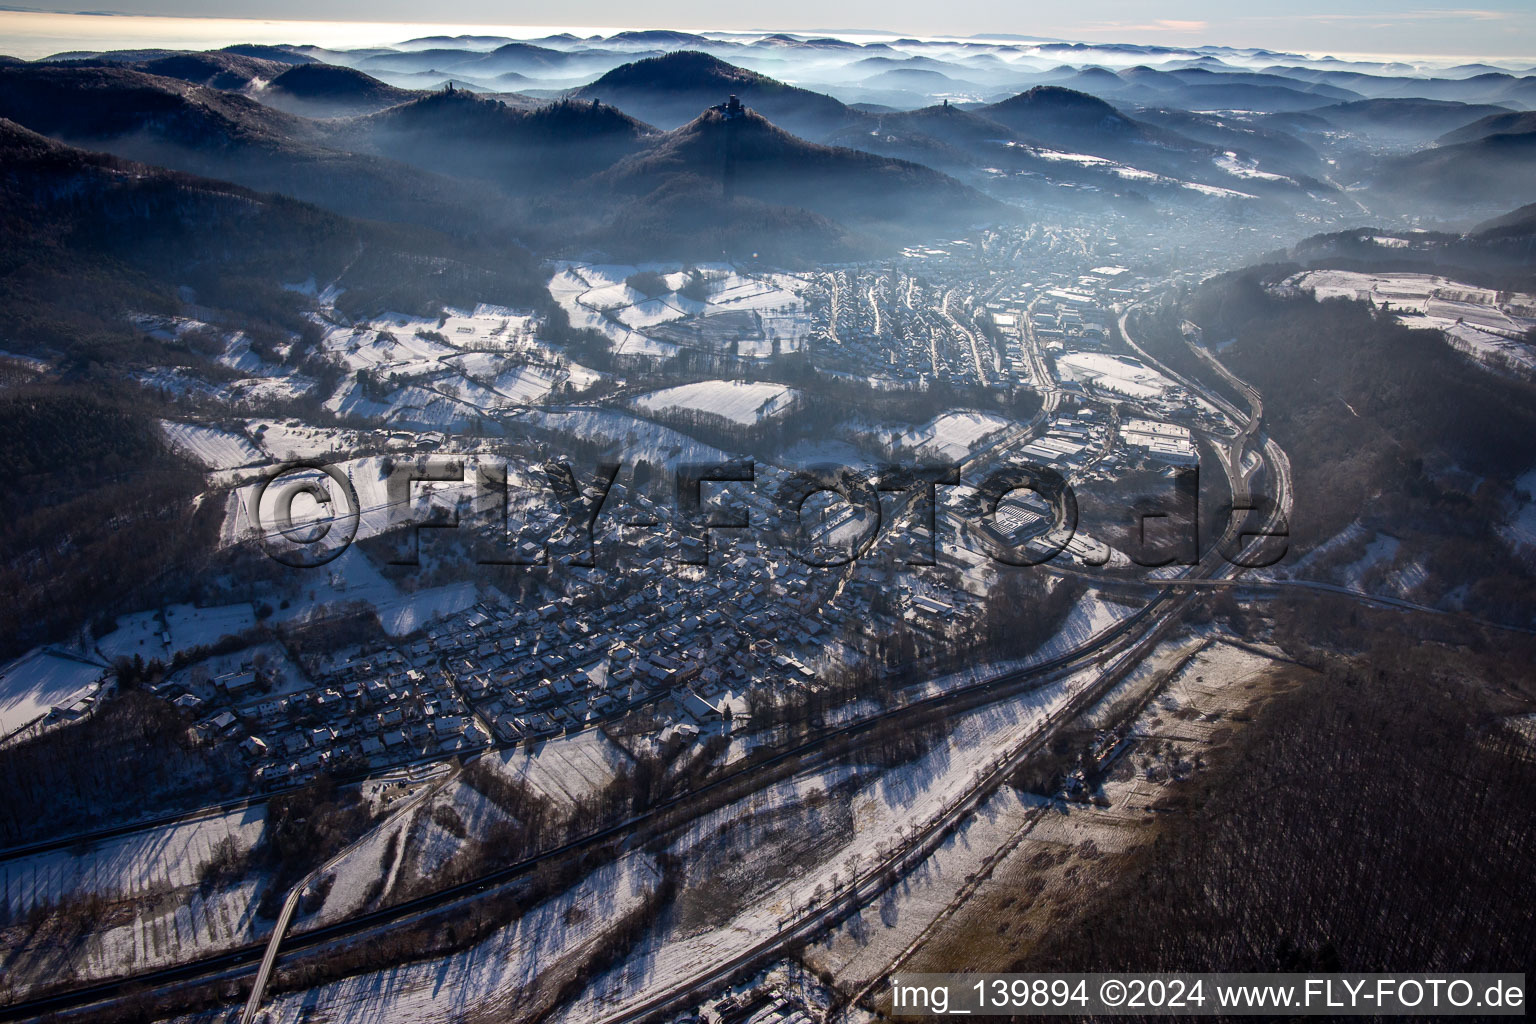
1493 169
1051 112
141 232
318 124
560 174
1072 122
219 70
670 90
729 177
1414 120
519 149
324 90
1516 224
231 137
1510 122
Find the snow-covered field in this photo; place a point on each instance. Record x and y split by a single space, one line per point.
40 680
738 401
443 373
649 313
159 912
837 453
290 440
1486 346
391 342
407 849
1126 172
771 294
367 479
524 385
954 434
564 768
1091 616
169 931
486 325
1245 168
1406 292
368 869
1471 319
622 339
188 626
883 808
175 380
128 867
641 439
1115 374
351 577
436 846
1210 681
262 390
215 449
410 612
414 406
595 296
507 382
497 972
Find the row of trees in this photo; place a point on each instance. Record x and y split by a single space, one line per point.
132 756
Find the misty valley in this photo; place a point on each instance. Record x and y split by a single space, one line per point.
694 526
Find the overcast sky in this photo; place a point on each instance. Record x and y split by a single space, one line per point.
1494 28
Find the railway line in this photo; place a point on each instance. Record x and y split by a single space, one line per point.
1154 621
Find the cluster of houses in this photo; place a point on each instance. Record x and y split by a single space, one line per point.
891 347
682 649
865 344
1065 308
357 710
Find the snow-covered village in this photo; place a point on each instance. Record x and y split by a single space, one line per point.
639 525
